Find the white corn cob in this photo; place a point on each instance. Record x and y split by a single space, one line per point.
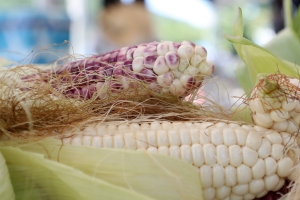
275 103
175 68
234 161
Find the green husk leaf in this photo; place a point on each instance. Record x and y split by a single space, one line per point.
259 59
153 175
242 113
34 177
6 189
296 23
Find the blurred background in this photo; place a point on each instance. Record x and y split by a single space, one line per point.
43 31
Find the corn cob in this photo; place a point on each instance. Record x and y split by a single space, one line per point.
234 161
275 103
166 67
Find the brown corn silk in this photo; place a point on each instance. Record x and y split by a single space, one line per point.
108 87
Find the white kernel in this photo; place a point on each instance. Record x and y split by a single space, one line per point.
175 151
230 176
162 138
163 150
229 137
288 139
86 140
183 64
141 140
90 131
254 140
196 60
194 133
185 51
174 137
139 51
277 151
134 127
249 196
223 192
145 126
262 194
186 153
101 130
118 141
155 125
270 165
296 118
160 66
162 48
271 181
256 105
241 135
279 185
130 141
274 137
244 174
265 148
77 141
216 136
107 142
289 104
285 166
241 189
204 136
248 128
209 193
166 125
260 129
256 186
218 176
235 197
197 154
222 155
209 152
185 136
250 156
206 176
263 120
177 88
280 126
111 129
235 155
151 138
220 125
152 150
292 127
122 128
97 142
258 170
279 115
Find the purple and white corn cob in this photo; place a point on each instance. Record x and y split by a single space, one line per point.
172 68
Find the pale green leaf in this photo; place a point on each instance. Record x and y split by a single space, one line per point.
34 177
281 54
6 189
153 175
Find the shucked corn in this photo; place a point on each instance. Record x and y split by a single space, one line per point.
234 161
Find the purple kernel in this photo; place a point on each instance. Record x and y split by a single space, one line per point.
105 57
113 57
147 75
118 72
149 61
150 51
172 60
108 70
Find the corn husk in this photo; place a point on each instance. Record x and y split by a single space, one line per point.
63 170
6 189
282 53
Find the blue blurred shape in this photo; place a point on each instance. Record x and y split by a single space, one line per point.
30 36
